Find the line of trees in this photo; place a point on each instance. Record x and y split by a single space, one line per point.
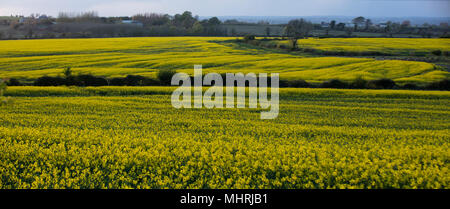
164 78
89 24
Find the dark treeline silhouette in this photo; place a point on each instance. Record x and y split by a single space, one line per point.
164 78
89 24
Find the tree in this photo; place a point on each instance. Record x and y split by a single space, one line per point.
340 26
197 29
349 31
67 72
152 19
406 24
332 24
368 24
297 29
387 29
392 28
233 32
29 33
358 21
268 30
214 21
443 25
184 20
212 26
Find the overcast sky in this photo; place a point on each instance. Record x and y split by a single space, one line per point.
381 8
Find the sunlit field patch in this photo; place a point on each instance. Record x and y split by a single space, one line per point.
132 137
394 46
118 57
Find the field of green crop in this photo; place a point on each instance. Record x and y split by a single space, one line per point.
118 57
394 46
131 137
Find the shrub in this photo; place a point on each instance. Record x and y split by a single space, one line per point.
298 84
249 38
67 72
2 87
137 80
440 85
165 76
359 83
150 82
72 81
410 86
384 83
437 52
13 82
283 83
134 80
117 82
90 80
334 83
50 81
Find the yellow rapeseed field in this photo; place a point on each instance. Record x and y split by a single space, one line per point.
394 46
118 57
131 137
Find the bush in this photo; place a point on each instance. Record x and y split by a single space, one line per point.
249 38
137 80
2 87
359 83
67 72
90 80
334 83
50 81
440 85
283 83
165 76
410 86
150 82
117 82
437 52
298 84
384 83
72 81
14 82
134 80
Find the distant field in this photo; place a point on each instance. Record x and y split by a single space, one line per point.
131 137
395 46
118 57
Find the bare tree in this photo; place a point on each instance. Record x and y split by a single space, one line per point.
298 29
268 30
368 24
152 19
